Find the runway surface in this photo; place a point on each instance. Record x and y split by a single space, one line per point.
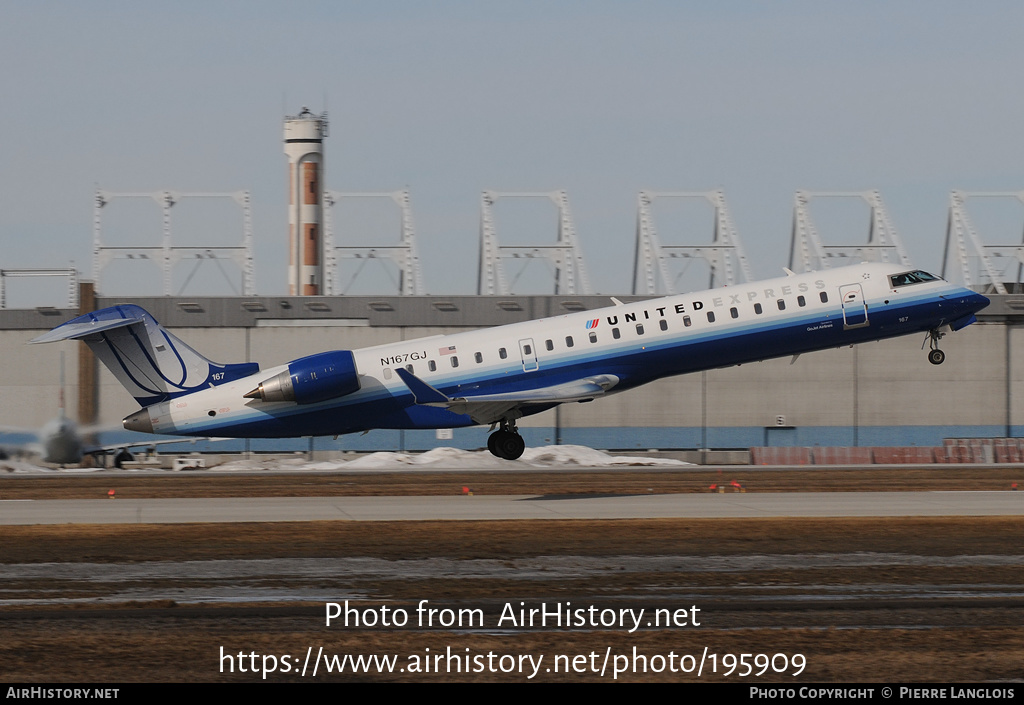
501 507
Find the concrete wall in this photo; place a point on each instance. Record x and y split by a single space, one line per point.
30 379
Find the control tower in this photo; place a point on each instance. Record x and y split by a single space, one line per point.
304 145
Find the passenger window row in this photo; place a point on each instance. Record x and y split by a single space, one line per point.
734 311
570 342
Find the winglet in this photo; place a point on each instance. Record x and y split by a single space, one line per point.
422 392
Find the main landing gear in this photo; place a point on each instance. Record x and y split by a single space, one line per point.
935 356
506 442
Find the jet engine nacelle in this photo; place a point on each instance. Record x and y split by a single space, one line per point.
311 379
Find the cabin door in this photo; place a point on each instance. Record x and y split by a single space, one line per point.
529 353
855 308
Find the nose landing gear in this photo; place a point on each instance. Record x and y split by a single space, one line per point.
506 442
935 356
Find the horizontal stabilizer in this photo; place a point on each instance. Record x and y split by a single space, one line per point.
72 330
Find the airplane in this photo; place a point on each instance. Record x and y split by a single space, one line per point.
61 441
58 441
495 376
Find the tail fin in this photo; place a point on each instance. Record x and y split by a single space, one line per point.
148 361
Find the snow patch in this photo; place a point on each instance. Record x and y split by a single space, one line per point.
543 457
447 458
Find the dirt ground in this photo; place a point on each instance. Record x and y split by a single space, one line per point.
853 600
540 482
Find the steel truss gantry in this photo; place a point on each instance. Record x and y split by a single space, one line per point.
808 252
963 236
725 256
404 255
565 254
167 255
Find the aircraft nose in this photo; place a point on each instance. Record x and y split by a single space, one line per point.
139 421
978 302
971 302
968 300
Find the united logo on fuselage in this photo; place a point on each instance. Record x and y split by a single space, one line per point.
592 323
715 302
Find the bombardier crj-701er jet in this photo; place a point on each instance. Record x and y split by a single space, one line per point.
498 375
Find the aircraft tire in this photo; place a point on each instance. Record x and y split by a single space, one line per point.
506 445
936 357
496 443
121 458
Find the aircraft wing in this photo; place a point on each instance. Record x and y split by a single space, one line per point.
8 450
489 408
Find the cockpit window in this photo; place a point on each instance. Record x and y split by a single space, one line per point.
915 277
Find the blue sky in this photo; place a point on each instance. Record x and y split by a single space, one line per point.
449 98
